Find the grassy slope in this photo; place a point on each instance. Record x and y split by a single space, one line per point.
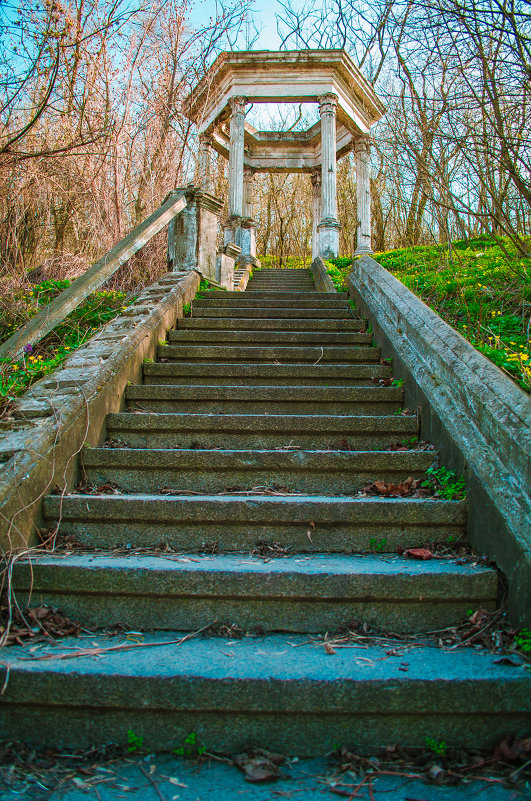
480 290
79 326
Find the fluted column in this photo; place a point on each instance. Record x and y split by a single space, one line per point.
329 224
363 195
204 167
237 121
248 181
316 210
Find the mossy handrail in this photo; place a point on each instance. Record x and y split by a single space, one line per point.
56 311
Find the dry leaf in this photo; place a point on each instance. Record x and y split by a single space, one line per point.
329 648
418 553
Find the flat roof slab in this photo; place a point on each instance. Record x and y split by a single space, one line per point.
286 76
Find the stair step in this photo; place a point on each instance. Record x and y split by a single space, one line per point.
264 312
268 324
343 375
279 337
243 301
274 295
240 522
267 399
320 592
265 353
280 689
144 430
312 472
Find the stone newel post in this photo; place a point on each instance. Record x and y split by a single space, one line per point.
316 210
363 193
329 225
237 121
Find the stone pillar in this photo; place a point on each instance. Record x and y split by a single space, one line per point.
363 194
204 167
246 235
329 224
316 210
192 235
237 121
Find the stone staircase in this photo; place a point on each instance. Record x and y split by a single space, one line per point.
252 436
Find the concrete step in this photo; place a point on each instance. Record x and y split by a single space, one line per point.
266 399
280 689
241 522
265 353
246 301
318 593
260 324
274 295
308 471
343 375
144 430
263 312
279 337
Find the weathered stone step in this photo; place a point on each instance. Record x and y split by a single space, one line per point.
244 301
240 522
267 399
343 375
280 689
265 324
320 592
275 295
308 471
263 312
303 338
143 430
266 353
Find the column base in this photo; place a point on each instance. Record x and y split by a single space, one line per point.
363 249
328 239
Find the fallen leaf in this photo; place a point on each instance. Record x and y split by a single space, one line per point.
176 782
329 648
418 553
259 765
505 660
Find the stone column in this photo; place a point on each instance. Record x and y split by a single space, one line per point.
316 210
363 194
204 167
329 225
247 233
237 121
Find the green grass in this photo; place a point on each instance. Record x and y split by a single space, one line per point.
482 288
288 263
17 376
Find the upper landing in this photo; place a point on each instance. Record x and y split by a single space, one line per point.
286 76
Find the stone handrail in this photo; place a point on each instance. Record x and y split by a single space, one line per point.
478 418
56 311
323 282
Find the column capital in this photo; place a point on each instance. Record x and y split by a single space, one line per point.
316 176
237 105
362 146
206 139
327 103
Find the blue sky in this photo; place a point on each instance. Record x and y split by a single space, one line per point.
264 16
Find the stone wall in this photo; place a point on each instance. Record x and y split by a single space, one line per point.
477 417
67 408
